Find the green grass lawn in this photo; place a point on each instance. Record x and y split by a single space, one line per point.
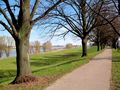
50 64
115 85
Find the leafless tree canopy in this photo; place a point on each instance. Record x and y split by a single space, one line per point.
18 17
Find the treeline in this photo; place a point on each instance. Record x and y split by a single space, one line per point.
95 20
105 36
6 44
35 47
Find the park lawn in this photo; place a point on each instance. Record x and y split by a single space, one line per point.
115 85
50 65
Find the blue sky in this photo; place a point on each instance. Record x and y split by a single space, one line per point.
57 40
41 36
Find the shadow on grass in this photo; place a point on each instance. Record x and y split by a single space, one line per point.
102 58
55 65
6 75
57 56
116 59
52 59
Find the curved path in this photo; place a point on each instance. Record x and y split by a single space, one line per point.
92 76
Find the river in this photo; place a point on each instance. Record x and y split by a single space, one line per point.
13 51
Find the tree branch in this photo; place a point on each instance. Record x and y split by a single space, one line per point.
119 7
34 8
10 12
110 23
6 27
46 12
8 20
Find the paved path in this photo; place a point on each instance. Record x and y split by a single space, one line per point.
93 76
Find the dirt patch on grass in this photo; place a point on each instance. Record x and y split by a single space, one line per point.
35 85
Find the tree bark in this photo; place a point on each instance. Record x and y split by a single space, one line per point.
114 43
98 40
98 46
23 66
22 61
84 47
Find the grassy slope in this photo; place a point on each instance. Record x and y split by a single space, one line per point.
50 64
116 70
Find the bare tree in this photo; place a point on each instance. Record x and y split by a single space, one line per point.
69 45
77 18
112 6
9 43
47 46
18 17
103 36
37 46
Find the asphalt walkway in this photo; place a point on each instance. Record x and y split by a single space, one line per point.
92 76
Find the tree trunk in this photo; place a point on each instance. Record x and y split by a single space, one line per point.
84 47
98 40
101 46
22 61
98 46
114 43
23 66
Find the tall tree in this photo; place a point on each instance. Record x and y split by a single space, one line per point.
102 35
112 6
77 18
18 18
